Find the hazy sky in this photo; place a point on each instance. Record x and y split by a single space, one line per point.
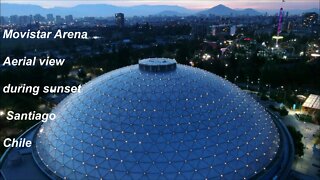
191 4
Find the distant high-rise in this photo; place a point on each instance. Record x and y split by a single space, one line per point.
285 23
201 30
310 19
25 20
59 20
3 20
50 18
213 30
38 18
233 30
69 19
14 19
119 19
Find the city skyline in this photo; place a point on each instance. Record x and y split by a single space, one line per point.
190 4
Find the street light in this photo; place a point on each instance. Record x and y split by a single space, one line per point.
206 57
235 79
284 95
2 112
269 88
301 53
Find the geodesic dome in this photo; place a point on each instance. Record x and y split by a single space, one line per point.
158 119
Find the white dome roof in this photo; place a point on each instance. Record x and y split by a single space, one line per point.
172 122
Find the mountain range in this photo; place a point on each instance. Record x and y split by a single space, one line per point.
222 10
96 10
104 10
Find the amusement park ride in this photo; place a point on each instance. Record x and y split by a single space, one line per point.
278 37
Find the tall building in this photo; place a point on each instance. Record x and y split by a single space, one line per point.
69 19
285 22
59 20
233 30
50 18
213 30
3 20
38 18
25 20
201 30
14 19
119 18
157 119
310 19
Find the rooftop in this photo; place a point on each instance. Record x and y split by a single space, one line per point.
313 102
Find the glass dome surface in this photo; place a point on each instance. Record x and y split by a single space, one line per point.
171 123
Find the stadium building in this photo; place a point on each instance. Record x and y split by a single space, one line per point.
155 120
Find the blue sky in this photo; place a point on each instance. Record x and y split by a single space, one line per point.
191 4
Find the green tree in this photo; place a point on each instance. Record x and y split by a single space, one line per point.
183 54
297 140
317 117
